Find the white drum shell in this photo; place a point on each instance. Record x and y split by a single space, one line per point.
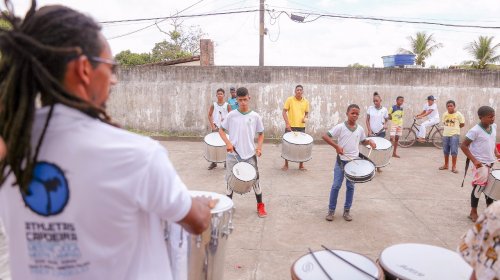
381 156
412 261
306 268
215 148
359 171
492 188
297 146
194 257
238 185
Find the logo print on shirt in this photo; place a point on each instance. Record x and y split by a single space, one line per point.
48 192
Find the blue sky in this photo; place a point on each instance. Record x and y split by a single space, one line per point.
324 42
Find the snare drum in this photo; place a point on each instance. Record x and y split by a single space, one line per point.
306 267
359 171
215 148
297 146
492 188
411 261
242 178
201 256
382 154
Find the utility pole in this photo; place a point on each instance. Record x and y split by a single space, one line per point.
261 34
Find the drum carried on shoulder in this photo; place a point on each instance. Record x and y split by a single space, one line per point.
335 264
215 148
194 257
381 155
412 261
297 146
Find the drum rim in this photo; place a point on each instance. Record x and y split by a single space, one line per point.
205 140
232 172
296 160
495 170
310 143
218 196
379 268
394 274
360 159
380 138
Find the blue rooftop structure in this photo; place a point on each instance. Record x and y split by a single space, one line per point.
398 60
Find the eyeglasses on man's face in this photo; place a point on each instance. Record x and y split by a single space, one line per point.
112 62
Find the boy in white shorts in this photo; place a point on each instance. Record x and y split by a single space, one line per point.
396 114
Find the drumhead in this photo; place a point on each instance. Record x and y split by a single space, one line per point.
496 174
359 168
244 171
224 204
421 261
382 143
214 139
306 268
298 138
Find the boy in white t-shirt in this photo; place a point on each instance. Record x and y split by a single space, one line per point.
430 111
216 114
480 148
242 125
349 135
376 117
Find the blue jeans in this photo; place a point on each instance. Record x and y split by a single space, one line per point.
450 145
338 177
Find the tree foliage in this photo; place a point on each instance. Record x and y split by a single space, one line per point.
422 45
181 42
483 51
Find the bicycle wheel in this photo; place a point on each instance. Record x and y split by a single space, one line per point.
408 138
437 138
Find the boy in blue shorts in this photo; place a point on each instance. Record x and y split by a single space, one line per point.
453 121
348 135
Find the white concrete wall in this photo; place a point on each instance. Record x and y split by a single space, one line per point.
176 99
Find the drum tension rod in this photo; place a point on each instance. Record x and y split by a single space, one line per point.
349 263
319 264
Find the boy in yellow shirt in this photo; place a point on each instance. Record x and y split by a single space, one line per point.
453 121
295 114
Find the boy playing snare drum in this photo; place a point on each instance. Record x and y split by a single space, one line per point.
348 135
242 125
479 147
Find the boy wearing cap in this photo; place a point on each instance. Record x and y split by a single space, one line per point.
232 100
431 112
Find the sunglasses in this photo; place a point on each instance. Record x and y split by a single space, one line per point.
112 62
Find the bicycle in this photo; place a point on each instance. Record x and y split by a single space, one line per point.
409 136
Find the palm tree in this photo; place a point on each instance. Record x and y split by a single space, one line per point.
422 46
483 52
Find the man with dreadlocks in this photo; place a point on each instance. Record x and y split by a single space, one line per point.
80 198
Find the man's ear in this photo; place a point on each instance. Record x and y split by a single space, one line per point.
83 69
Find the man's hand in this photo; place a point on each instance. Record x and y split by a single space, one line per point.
230 148
340 151
478 164
372 144
288 128
258 152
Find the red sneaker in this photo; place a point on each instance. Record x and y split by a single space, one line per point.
261 210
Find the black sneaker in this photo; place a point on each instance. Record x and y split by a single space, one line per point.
212 166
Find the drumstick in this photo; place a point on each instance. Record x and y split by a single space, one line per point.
350 158
369 153
349 263
319 264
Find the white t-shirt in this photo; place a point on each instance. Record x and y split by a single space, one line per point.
219 113
348 139
434 114
242 128
95 206
377 118
483 143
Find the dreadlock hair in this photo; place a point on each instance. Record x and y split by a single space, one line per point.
35 52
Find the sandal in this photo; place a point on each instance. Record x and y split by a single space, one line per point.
454 171
443 168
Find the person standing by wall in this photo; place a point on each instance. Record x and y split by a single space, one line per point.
295 112
452 121
216 115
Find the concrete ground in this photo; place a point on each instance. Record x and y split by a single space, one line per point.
410 201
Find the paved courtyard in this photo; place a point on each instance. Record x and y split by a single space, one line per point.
410 201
